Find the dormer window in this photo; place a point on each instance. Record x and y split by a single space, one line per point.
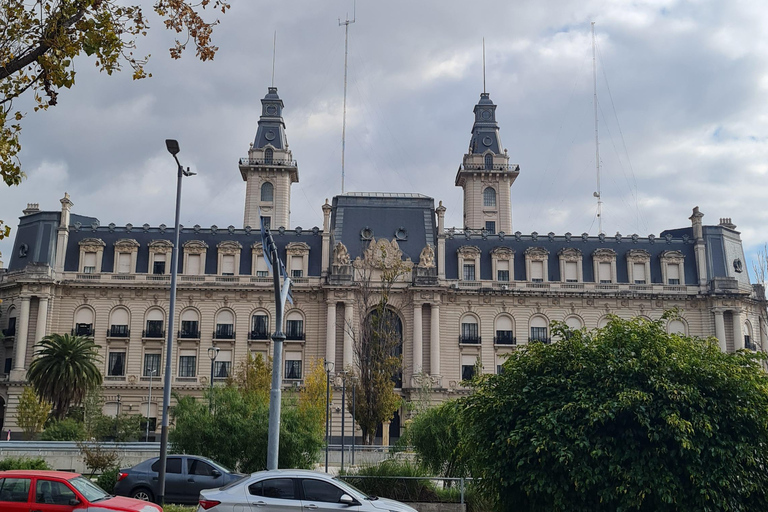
488 162
604 266
672 267
638 266
570 265
229 258
267 189
298 259
469 262
536 264
269 156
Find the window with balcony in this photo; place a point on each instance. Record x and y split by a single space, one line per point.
10 331
538 329
470 333
116 364
154 329
83 322
118 323
259 327
151 365
225 325
294 327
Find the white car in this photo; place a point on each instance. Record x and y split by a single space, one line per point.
293 489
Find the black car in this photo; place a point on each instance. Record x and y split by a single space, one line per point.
185 477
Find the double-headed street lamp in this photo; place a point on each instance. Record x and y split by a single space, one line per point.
328 369
173 149
213 353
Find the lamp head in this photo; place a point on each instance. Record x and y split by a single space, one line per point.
328 366
213 352
172 145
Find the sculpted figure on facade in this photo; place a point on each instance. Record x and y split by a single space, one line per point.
382 254
427 257
340 254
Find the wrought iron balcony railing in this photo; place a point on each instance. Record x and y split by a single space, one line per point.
470 340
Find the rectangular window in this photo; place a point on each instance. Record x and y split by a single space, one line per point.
158 268
228 265
293 365
505 338
538 333
571 272
468 367
116 367
193 265
490 227
537 271
260 327
89 263
297 266
187 363
261 266
502 270
124 263
297 273
604 272
119 331
189 329
154 329
223 366
151 365
294 329
469 272
84 330
266 222
638 273
673 273
15 490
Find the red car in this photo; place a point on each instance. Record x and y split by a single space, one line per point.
60 491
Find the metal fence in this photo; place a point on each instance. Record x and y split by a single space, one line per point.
412 489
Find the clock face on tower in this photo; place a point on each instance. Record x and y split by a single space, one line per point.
271 110
486 114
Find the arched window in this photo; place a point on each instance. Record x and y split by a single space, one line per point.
470 330
489 161
154 324
84 322
259 326
118 323
539 330
505 333
268 156
489 197
190 324
267 191
294 326
676 326
225 325
749 342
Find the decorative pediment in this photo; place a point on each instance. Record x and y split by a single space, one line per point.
91 244
257 249
340 254
638 256
229 247
160 246
569 254
468 251
502 253
604 255
297 249
195 246
126 245
672 257
382 254
427 257
536 253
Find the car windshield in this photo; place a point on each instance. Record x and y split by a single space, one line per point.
351 489
88 489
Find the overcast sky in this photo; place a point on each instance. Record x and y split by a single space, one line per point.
682 96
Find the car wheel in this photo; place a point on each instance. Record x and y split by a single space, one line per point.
142 493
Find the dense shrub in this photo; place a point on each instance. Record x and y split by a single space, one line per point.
23 463
108 479
67 429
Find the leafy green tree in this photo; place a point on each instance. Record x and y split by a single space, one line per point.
40 39
67 429
32 412
625 418
236 433
64 369
121 428
435 436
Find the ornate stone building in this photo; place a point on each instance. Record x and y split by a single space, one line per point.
470 294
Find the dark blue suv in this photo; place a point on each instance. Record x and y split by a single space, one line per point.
185 477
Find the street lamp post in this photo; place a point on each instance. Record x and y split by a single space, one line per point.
213 353
117 416
328 369
149 401
354 411
343 414
173 149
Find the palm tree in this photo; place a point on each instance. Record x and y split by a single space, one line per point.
64 369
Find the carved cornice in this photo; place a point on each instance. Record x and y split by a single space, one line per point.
229 247
672 257
570 254
127 245
604 255
297 249
468 251
160 246
92 244
536 253
195 247
502 253
638 256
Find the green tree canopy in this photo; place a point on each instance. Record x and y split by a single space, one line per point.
625 418
435 436
64 369
40 39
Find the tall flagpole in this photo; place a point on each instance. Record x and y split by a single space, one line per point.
597 194
344 111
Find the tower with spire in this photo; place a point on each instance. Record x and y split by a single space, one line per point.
269 170
486 174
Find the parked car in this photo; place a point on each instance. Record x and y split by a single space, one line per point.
293 489
185 477
60 491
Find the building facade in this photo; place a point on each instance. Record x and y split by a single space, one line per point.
466 295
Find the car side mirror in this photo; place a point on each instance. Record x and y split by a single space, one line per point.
74 502
348 500
216 473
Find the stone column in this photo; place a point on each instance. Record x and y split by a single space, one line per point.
434 347
62 233
330 333
440 210
417 339
738 329
42 319
348 345
19 372
326 252
720 328
385 433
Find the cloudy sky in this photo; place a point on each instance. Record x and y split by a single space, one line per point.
682 96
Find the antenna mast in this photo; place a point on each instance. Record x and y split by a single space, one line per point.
597 194
274 50
344 111
483 65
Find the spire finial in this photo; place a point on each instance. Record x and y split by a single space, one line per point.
484 66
